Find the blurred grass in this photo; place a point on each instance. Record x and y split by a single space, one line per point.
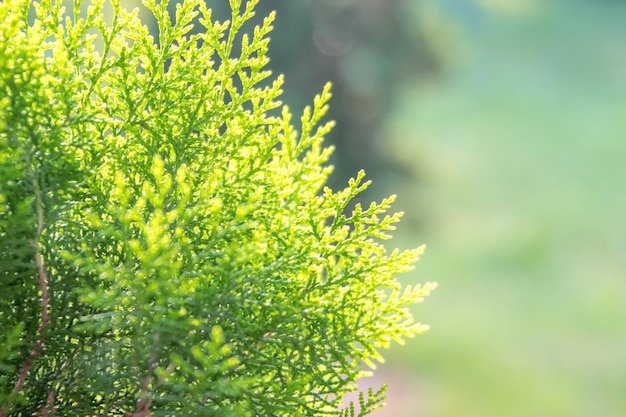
521 151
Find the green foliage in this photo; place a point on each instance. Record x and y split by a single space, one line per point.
374 402
167 243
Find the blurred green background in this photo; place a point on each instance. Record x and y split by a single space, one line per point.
519 151
501 126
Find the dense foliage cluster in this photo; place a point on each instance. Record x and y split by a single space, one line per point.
167 244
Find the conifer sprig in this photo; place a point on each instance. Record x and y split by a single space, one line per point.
167 244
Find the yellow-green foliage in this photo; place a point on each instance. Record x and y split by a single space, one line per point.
168 247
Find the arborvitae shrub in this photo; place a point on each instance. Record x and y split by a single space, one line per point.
168 247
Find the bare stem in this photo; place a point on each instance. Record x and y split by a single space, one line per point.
48 409
143 407
45 300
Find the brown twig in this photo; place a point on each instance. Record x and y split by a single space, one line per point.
48 409
43 286
143 407
28 363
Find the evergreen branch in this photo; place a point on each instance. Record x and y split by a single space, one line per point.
190 211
